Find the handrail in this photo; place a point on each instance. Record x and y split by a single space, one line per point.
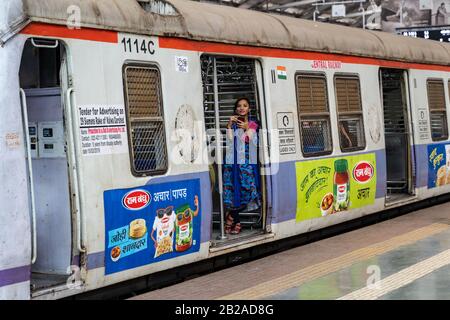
23 99
53 46
74 171
219 156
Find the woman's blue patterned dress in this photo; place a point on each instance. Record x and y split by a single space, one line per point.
240 171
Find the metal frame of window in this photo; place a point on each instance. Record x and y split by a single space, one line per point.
432 110
314 116
350 115
144 120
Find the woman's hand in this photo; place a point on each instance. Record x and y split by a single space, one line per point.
230 122
350 143
243 125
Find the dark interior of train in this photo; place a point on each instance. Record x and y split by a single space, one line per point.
397 134
225 79
49 179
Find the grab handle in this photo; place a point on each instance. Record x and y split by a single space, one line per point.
23 99
52 45
74 172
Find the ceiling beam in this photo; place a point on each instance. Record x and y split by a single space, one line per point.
294 4
250 4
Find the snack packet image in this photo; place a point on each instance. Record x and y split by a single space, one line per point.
163 231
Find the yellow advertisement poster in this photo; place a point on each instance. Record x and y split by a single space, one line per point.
329 186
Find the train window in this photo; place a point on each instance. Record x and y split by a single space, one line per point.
438 112
314 114
146 132
350 118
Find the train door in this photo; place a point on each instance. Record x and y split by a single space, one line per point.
43 61
399 164
226 79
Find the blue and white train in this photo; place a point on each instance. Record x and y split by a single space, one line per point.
111 109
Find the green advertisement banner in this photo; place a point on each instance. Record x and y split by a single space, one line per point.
329 186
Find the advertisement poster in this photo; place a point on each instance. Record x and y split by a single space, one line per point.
401 14
438 165
441 10
151 223
329 186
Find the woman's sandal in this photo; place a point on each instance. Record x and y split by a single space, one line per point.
229 224
237 229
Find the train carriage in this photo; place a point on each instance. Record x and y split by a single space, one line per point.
112 110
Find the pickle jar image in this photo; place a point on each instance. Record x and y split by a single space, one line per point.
341 185
184 226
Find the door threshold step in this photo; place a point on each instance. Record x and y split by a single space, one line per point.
400 199
240 242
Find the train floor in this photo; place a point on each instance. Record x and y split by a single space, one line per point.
405 258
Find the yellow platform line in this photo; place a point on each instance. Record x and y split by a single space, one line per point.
299 277
401 278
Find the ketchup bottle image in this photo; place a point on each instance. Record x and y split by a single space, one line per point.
341 185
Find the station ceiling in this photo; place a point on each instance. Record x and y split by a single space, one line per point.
307 9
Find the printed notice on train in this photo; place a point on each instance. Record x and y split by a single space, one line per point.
102 130
286 132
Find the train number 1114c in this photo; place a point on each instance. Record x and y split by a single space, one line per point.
138 46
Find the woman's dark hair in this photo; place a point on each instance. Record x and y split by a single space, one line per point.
237 101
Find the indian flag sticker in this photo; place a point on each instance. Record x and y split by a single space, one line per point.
281 72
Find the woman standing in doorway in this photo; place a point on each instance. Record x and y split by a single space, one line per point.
240 174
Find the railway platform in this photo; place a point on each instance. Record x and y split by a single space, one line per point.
404 258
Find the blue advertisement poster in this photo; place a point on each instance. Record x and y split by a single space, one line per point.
438 165
151 223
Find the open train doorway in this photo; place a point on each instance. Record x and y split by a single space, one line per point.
397 131
43 80
226 79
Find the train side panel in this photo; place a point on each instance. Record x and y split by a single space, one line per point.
15 235
99 81
283 100
106 178
430 155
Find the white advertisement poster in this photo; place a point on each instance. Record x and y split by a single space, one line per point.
103 130
441 10
404 14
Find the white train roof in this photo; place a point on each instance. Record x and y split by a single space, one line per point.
210 22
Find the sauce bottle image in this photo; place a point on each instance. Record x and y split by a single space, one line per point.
184 228
341 185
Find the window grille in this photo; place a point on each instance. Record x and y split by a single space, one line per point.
145 116
438 112
314 115
350 118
